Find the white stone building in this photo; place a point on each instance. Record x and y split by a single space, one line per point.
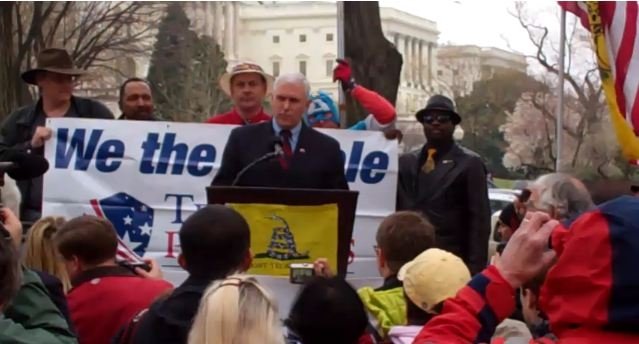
459 66
302 37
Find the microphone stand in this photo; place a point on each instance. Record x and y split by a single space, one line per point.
265 157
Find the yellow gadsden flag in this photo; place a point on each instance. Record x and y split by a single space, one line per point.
283 234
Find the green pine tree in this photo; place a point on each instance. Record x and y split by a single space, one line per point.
208 65
170 69
184 71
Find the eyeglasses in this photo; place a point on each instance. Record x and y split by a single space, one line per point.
441 118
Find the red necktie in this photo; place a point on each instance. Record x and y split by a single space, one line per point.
286 147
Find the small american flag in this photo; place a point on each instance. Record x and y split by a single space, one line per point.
132 220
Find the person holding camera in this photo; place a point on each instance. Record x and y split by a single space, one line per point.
104 295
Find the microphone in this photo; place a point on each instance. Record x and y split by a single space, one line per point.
276 144
20 165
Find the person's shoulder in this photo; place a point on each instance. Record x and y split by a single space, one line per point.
253 129
20 112
220 118
411 155
96 109
155 284
320 136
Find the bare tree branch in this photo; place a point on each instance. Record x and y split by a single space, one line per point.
56 24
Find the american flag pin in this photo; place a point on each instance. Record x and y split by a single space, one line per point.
302 150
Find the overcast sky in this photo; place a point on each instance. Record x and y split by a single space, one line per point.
484 23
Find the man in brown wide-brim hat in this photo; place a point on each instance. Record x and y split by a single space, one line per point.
24 130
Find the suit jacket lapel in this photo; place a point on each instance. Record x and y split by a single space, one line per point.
429 184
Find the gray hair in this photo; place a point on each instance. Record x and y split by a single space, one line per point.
293 78
563 192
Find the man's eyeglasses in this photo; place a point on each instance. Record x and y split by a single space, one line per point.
440 117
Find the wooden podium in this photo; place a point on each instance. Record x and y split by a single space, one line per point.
346 203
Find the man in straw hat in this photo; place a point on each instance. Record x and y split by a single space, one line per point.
247 85
25 128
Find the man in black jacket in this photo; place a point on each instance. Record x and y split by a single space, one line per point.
310 160
215 244
448 185
25 129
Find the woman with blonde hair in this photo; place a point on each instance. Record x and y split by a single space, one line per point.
41 253
236 310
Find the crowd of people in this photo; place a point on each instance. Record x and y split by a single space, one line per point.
564 272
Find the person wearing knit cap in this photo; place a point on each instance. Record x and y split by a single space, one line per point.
323 112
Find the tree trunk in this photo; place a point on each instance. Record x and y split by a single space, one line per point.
9 79
376 62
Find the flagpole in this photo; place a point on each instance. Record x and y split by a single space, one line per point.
560 90
340 54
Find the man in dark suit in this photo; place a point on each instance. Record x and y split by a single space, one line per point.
448 185
311 160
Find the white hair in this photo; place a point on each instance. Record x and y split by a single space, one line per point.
293 78
566 194
11 196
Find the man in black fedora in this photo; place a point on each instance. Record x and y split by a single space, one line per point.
25 129
448 185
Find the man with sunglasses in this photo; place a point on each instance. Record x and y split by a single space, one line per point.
448 185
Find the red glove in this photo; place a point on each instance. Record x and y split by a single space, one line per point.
343 73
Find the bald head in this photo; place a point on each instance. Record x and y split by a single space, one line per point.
560 195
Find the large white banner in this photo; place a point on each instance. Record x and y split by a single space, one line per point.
160 170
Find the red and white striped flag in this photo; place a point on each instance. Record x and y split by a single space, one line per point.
124 252
613 25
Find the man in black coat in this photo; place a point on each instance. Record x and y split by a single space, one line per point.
448 185
310 159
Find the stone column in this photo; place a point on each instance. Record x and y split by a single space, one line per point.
414 62
218 20
430 65
208 28
407 60
420 63
236 29
228 31
400 46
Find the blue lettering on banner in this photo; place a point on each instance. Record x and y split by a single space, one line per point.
198 163
372 168
163 154
85 150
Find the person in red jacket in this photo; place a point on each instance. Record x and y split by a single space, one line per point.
324 113
589 295
247 85
104 295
